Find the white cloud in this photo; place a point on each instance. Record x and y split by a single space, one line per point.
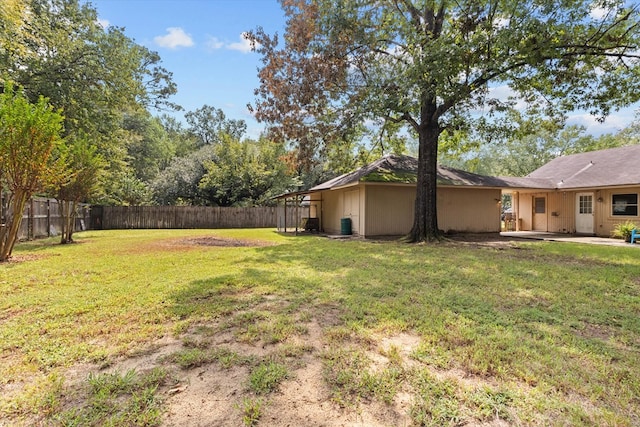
214 43
244 45
599 12
612 124
103 23
175 38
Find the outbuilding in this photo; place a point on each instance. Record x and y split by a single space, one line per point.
379 200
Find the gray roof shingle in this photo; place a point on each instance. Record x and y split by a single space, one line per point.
602 168
403 169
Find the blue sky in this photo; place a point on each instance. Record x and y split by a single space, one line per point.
200 42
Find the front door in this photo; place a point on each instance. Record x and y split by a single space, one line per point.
584 213
539 213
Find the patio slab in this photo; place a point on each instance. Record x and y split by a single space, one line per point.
559 237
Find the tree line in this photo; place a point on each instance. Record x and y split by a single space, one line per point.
87 115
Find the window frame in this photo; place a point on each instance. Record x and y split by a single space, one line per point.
627 205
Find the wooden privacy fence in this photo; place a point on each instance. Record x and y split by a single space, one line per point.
144 217
42 218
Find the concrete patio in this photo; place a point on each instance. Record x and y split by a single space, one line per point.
559 237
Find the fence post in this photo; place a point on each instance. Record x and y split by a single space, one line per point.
31 221
48 217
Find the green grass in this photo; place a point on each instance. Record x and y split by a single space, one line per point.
549 331
115 399
267 376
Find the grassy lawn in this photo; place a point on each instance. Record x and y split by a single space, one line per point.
530 334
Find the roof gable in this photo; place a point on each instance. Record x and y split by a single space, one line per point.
403 169
602 168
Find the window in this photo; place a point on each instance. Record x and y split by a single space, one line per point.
624 204
539 205
586 204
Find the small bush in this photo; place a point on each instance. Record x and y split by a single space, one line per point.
623 230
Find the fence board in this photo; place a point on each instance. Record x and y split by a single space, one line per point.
42 218
180 217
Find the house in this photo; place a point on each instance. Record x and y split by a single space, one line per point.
585 193
379 199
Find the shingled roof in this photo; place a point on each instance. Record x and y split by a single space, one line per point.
602 168
403 169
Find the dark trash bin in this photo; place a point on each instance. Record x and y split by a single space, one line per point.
345 226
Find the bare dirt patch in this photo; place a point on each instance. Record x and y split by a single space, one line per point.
487 240
19 258
207 241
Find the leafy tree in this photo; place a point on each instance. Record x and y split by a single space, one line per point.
245 172
207 124
128 190
431 65
84 166
94 74
178 183
530 144
183 141
149 148
29 134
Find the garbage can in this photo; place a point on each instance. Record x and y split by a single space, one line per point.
345 226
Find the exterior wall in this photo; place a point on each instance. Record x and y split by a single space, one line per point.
331 209
342 203
390 209
471 210
605 220
561 210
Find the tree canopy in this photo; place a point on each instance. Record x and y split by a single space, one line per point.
57 49
434 65
29 139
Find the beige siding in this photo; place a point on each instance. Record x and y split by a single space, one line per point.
605 220
559 216
331 211
561 212
342 203
525 211
389 209
474 210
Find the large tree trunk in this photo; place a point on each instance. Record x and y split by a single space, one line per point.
425 221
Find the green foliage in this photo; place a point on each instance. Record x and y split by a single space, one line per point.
29 136
178 183
623 230
60 51
251 411
266 377
208 124
531 143
244 172
117 399
149 148
524 334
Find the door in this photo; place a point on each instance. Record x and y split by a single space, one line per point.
584 213
539 213
352 209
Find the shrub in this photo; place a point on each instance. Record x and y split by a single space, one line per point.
623 230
